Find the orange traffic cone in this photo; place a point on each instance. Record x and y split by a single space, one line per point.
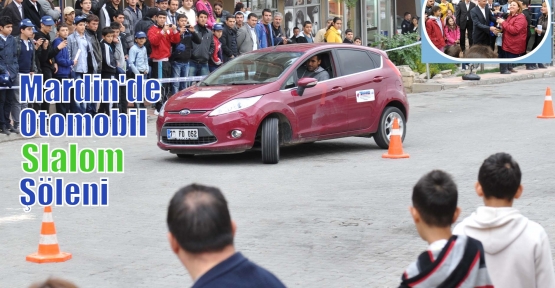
547 105
395 150
49 251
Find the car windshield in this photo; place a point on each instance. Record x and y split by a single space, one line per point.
253 68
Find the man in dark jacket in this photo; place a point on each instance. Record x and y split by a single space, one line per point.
33 11
16 12
91 34
406 25
464 21
182 52
45 54
481 20
109 63
198 65
277 31
349 37
229 39
8 65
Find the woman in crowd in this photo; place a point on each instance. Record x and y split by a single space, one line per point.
514 35
540 30
452 32
416 26
240 7
220 15
332 33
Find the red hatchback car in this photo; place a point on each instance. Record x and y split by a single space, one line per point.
272 97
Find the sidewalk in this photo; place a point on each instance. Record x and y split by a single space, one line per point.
433 85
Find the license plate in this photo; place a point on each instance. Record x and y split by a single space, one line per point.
182 134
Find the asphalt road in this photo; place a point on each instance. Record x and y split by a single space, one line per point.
330 214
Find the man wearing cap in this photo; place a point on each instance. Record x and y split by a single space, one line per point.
46 53
69 16
182 52
132 16
217 56
79 49
161 36
33 11
320 34
14 10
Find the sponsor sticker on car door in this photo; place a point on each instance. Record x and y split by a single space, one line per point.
365 95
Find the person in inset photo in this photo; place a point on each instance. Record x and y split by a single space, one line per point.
299 2
289 3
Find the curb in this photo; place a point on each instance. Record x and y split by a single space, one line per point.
436 86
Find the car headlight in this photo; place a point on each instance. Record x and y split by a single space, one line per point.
162 110
235 105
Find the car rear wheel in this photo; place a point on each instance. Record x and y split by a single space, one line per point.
270 141
386 126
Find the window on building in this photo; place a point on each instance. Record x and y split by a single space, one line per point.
299 11
354 61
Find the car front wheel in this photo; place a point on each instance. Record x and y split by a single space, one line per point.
386 126
270 141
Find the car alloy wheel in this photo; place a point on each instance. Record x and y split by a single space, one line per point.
270 141
386 126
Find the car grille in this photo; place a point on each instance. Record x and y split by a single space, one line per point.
171 125
200 141
204 139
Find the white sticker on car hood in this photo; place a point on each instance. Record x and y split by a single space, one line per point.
365 95
204 94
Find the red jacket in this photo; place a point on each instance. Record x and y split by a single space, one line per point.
514 34
161 43
435 34
217 55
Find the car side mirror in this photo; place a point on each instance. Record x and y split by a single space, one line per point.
304 83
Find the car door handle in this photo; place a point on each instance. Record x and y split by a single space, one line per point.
337 89
378 79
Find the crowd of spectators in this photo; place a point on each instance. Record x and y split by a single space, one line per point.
175 38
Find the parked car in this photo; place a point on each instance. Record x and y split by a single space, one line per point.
260 100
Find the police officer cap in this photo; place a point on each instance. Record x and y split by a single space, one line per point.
140 34
26 23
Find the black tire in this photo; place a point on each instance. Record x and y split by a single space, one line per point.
270 141
185 156
380 137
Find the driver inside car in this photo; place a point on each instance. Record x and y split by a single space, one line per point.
312 69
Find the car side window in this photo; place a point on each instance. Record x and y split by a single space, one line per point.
326 63
354 61
377 58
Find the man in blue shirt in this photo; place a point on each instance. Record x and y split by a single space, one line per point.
201 235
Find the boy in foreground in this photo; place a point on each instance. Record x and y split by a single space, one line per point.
450 260
517 249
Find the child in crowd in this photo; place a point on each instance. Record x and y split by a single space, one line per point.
64 62
8 65
217 56
450 260
434 28
452 32
138 59
109 63
119 54
517 249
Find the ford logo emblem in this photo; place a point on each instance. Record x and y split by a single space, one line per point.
184 112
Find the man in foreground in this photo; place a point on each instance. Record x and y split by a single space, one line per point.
201 234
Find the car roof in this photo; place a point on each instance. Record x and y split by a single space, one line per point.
315 47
